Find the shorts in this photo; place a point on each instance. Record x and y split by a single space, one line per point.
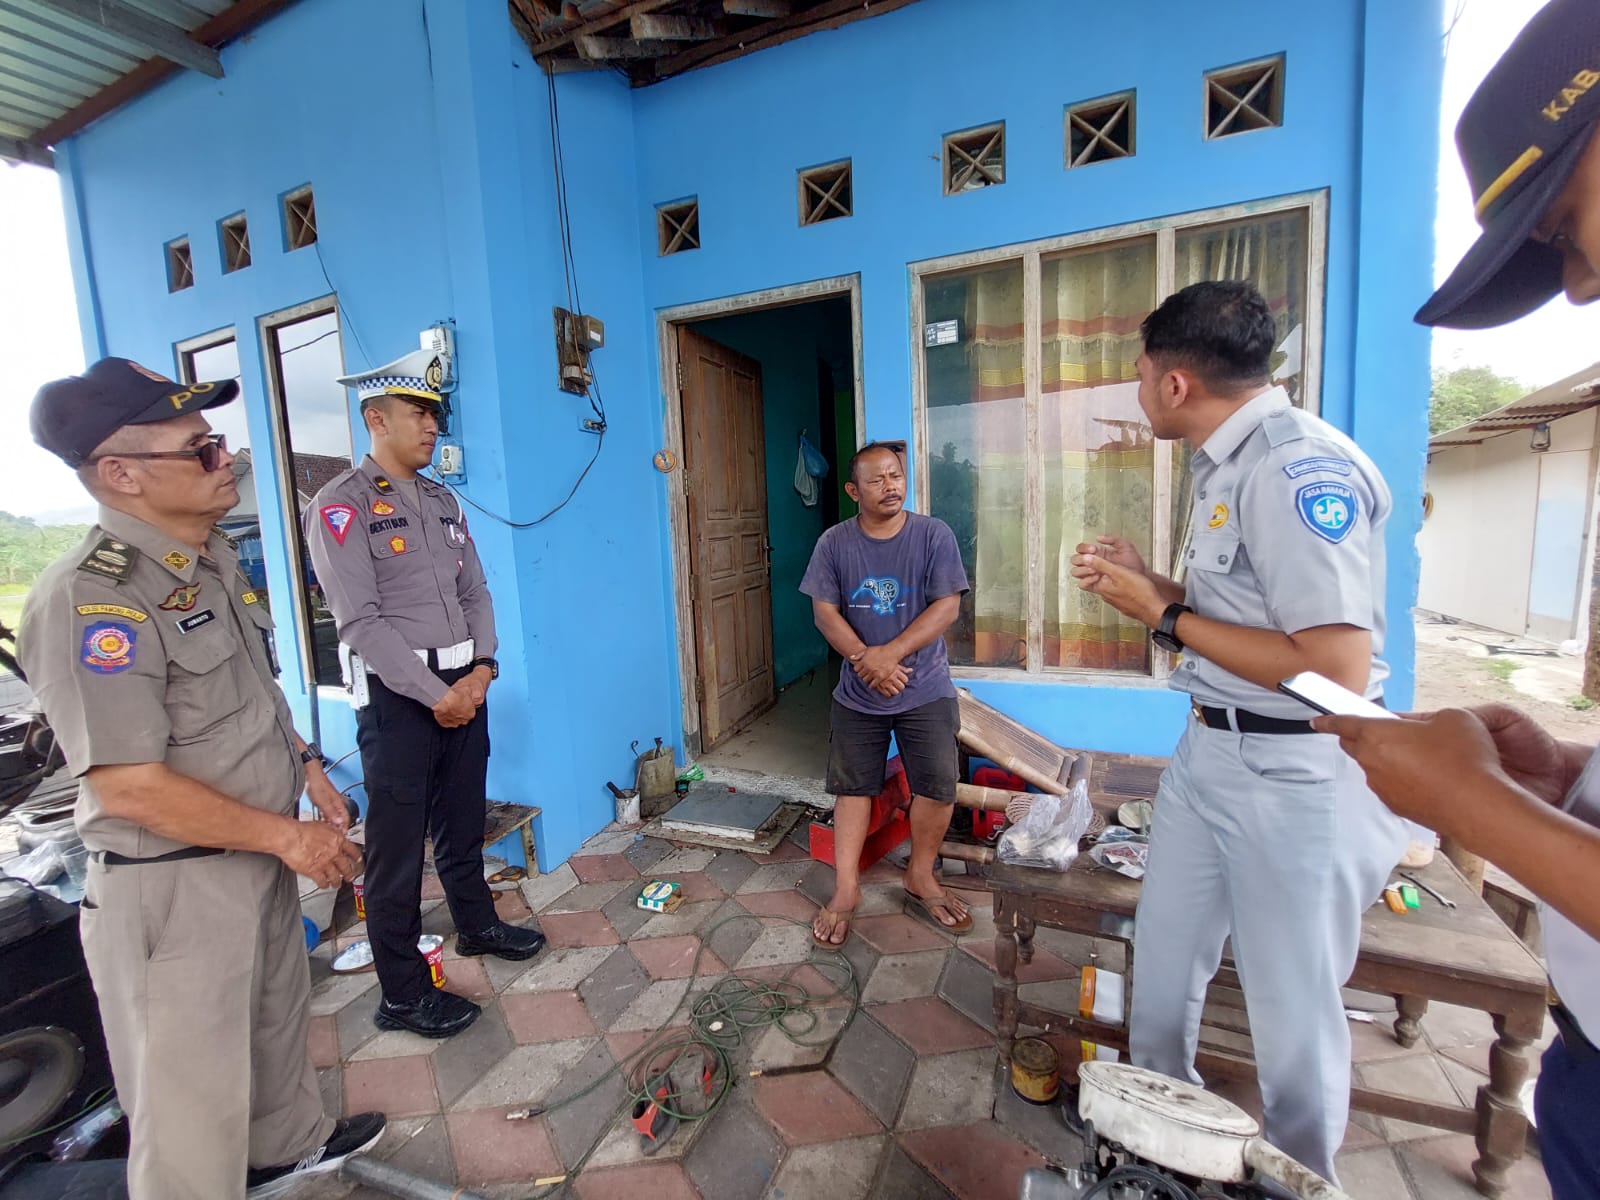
926 739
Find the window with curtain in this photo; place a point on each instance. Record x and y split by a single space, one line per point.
1032 435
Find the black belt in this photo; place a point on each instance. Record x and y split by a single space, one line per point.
1578 1046
111 858
1248 722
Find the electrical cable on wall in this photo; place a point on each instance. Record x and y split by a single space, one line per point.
569 268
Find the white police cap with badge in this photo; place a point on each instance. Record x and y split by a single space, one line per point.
415 376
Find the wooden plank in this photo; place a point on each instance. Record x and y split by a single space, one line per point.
758 8
829 15
612 49
670 27
237 18
598 25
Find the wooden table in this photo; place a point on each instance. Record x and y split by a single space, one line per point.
1464 956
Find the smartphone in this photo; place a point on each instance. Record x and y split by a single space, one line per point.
1326 696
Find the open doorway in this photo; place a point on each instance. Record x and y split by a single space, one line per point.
755 375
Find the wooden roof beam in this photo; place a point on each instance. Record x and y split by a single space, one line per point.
828 15
667 27
162 38
597 26
772 9
613 49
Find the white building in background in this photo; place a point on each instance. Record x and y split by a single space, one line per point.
1509 510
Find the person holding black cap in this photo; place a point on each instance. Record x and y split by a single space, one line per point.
143 646
1492 778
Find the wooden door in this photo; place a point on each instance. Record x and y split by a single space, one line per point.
725 479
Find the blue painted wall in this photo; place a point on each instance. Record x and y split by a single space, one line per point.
435 199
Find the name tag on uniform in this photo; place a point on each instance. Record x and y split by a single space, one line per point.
190 624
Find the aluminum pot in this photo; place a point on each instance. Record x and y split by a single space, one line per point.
1187 1130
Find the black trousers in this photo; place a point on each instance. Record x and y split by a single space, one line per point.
422 781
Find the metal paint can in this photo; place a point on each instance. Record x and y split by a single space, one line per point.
1035 1070
359 889
432 947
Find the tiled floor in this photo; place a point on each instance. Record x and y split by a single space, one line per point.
909 1104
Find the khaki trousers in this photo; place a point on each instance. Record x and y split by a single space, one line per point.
201 973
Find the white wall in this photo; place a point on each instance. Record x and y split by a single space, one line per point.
1498 507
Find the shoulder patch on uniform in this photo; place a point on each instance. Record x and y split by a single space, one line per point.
1284 430
337 517
1306 466
1329 510
108 647
112 610
224 535
110 558
382 484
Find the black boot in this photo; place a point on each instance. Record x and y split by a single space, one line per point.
502 941
437 1014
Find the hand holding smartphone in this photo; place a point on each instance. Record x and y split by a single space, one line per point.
1327 697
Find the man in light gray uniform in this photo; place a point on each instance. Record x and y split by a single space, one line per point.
1264 832
416 628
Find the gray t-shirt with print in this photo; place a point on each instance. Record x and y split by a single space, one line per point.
882 585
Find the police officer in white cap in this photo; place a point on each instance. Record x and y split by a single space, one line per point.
1264 832
416 631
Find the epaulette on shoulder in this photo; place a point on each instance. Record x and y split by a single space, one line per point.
224 535
110 558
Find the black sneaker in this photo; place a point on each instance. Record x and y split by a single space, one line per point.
437 1014
351 1135
502 941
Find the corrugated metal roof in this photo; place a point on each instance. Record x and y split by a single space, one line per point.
65 62
1578 391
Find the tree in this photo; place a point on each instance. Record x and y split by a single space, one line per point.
1463 394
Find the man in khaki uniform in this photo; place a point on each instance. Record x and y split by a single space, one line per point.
144 646
416 632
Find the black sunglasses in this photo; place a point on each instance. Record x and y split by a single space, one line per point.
209 453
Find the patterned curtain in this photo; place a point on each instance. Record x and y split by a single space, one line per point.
1096 451
1272 253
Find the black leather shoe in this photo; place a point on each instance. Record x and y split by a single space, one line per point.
351 1135
436 1015
502 941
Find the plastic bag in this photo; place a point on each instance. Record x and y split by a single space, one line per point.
1048 835
1125 856
41 865
803 481
816 464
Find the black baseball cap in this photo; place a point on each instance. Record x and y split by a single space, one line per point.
1520 137
71 416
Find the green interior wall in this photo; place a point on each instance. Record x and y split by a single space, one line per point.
788 343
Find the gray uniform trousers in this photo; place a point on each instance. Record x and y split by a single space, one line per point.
201 972
1275 840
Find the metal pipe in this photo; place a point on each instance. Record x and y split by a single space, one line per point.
386 1177
967 852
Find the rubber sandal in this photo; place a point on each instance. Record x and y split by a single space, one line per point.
847 916
923 906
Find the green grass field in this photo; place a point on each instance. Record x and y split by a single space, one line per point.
11 597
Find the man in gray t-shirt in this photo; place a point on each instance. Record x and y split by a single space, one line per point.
884 587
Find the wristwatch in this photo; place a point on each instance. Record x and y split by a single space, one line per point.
1165 634
312 754
486 661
